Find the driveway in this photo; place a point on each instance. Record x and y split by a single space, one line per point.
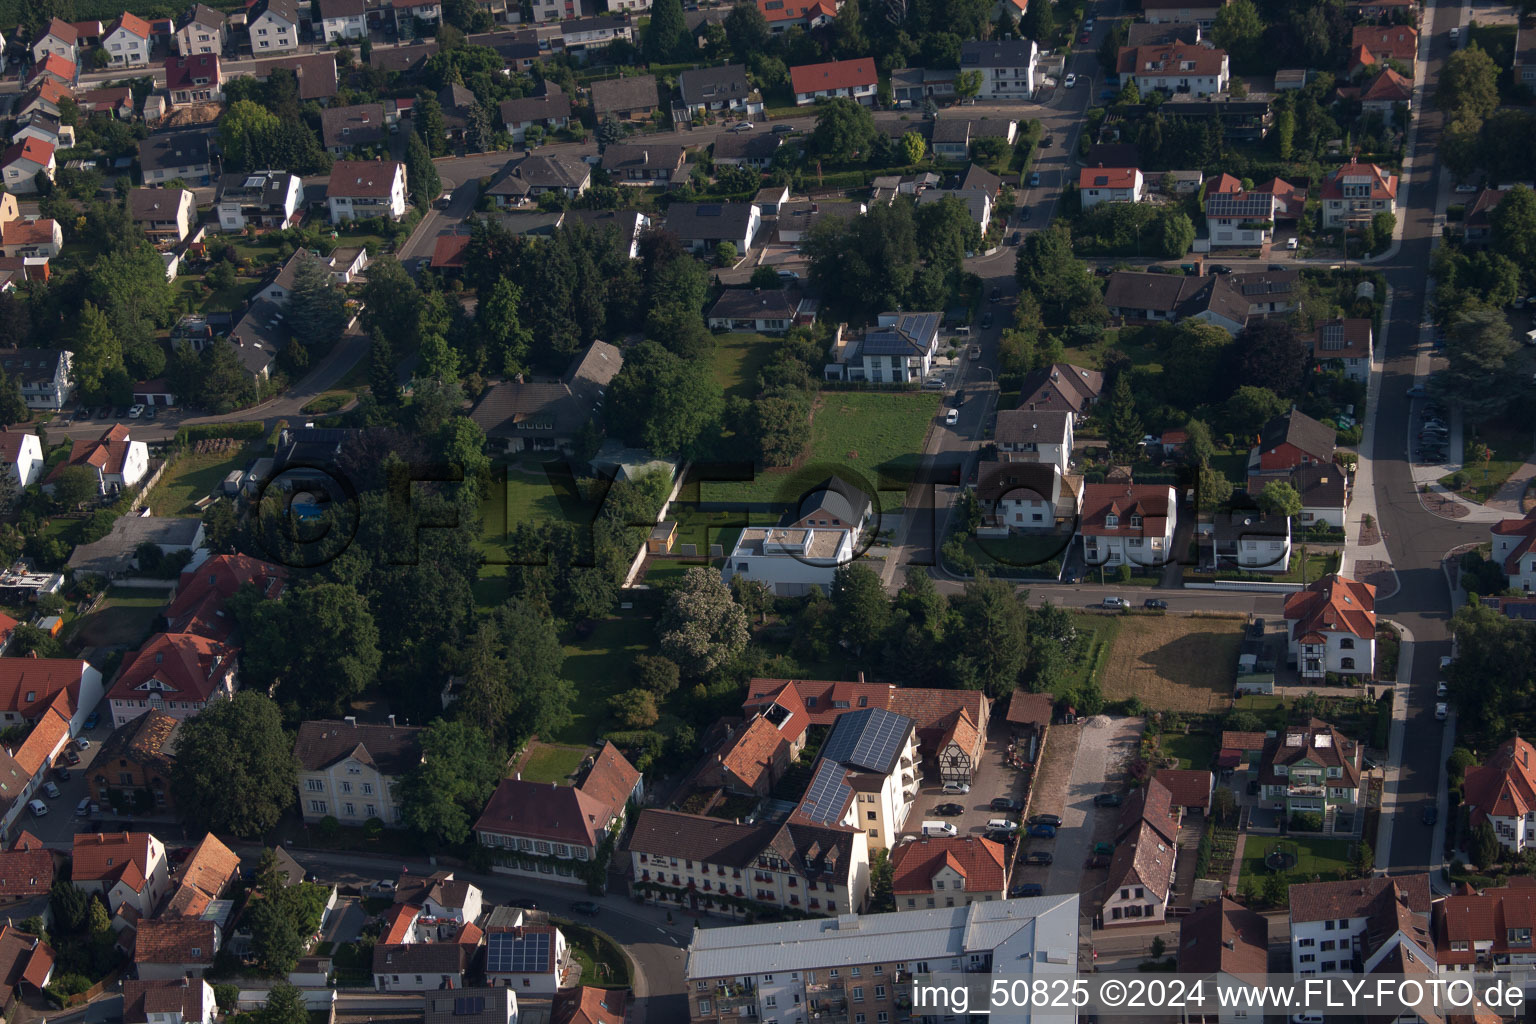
1104 747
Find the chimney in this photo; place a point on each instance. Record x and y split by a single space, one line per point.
350 719
391 719
1229 943
518 776
861 675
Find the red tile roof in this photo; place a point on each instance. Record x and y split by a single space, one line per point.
979 861
28 685
1188 787
198 606
1170 60
1474 919
28 232
796 10
1031 708
754 751
30 148
589 1005
1333 604
560 814
1504 785
179 666
933 712
1107 177
1322 901
210 867
1383 185
399 920
611 779
60 30
1399 42
23 957
1152 502
181 72
175 940
1224 937
25 872
103 856
837 74
1388 87
182 996
53 64
1342 338
108 453
131 23
448 251
371 179
47 737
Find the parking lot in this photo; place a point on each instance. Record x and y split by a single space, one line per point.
993 777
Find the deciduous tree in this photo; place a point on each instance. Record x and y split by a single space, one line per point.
460 766
235 769
702 626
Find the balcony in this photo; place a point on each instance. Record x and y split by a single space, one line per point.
733 1003
1306 790
826 985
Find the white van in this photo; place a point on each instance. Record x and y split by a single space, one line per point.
939 828
37 808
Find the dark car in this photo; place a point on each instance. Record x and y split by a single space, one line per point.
1015 238
1026 889
1043 831
92 720
1277 266
1054 820
1219 268
1002 803
783 129
1158 268
1430 815
71 756
1039 857
986 319
1034 179
1108 800
1155 602
997 293
1024 214
105 412
120 412
62 773
523 904
1098 861
949 810
83 413
1085 37
586 907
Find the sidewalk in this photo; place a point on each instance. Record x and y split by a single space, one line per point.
1369 561
1393 766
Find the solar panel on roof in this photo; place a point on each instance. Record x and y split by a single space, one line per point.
828 793
254 182
465 1006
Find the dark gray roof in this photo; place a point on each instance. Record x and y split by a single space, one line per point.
419 958
202 14
754 303
549 102
1249 523
402 58
870 739
593 23
469 1006
980 179
550 408
288 10
1302 431
267 187
699 86
512 46
1320 486
167 152
690 221
996 53
1027 426
1135 290
342 8
651 155
155 203
31 365
635 92
362 125
1259 286
259 336
999 479
392 749
837 498
1163 34
540 170
951 129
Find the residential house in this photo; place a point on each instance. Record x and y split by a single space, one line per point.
913 86
520 415
531 176
548 831
1311 768
169 1001
1061 386
1247 540
199 603
1502 791
533 960
127 42
626 226
1324 491
115 458
273 26
1197 70
181 155
1239 218
26 872
47 96
1007 67
977 202
56 69
825 530
587 1004
121 867
269 199
136 758
1332 628
31 238
202 29
1337 926
948 871
726 867
452 900
194 79
852 79
1097 185
761 971
624 99
316 73
1382 10
580 36
165 215
341 20
459 105
1477 227
1127 524
1347 342
702 227
1182 12
1025 435
1355 193
472 1006
204 876
178 673
58 38
1386 42
783 15
755 150
1385 93
116 554
350 771
1288 441
548 107
760 311
718 90
1230 941
1512 548
21 456
363 189
953 137
47 739
1169 298
419 966
749 759
26 966
343 129
403 60
1486 931
44 127
23 161
866 776
171 948
1025 496
1141 872
43 375
645 163
899 349
796 217
409 13
1524 63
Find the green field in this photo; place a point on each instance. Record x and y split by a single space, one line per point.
599 666
193 477
863 433
549 763
737 360
1194 750
124 619
1316 859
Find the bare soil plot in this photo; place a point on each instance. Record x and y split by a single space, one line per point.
1173 662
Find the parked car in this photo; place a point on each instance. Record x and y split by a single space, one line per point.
951 417
62 773
1115 603
1445 662
1466 189
37 808
1085 38
949 810
383 885
1054 820
1430 815
744 126
1107 849
1155 602
1108 800
975 351
1017 236
83 742
1026 889
83 808
957 788
1034 179
92 719
1071 82
586 907
1441 689
783 129
1442 711
1219 268
524 904
135 411
83 413
986 319
997 293
1290 243
52 789
1002 825
1042 831
70 757
1040 857
1002 803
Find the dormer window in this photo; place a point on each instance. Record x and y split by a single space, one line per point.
1112 522
1135 522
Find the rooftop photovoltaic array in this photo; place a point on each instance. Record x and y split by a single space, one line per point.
869 739
510 953
828 794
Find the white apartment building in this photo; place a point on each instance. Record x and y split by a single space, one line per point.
349 770
1342 927
1127 524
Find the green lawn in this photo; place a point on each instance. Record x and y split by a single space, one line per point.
124 619
1194 750
1315 857
550 763
190 290
1096 634
193 477
1233 465
737 360
599 666
1142 353
602 962
528 496
1510 448
865 433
